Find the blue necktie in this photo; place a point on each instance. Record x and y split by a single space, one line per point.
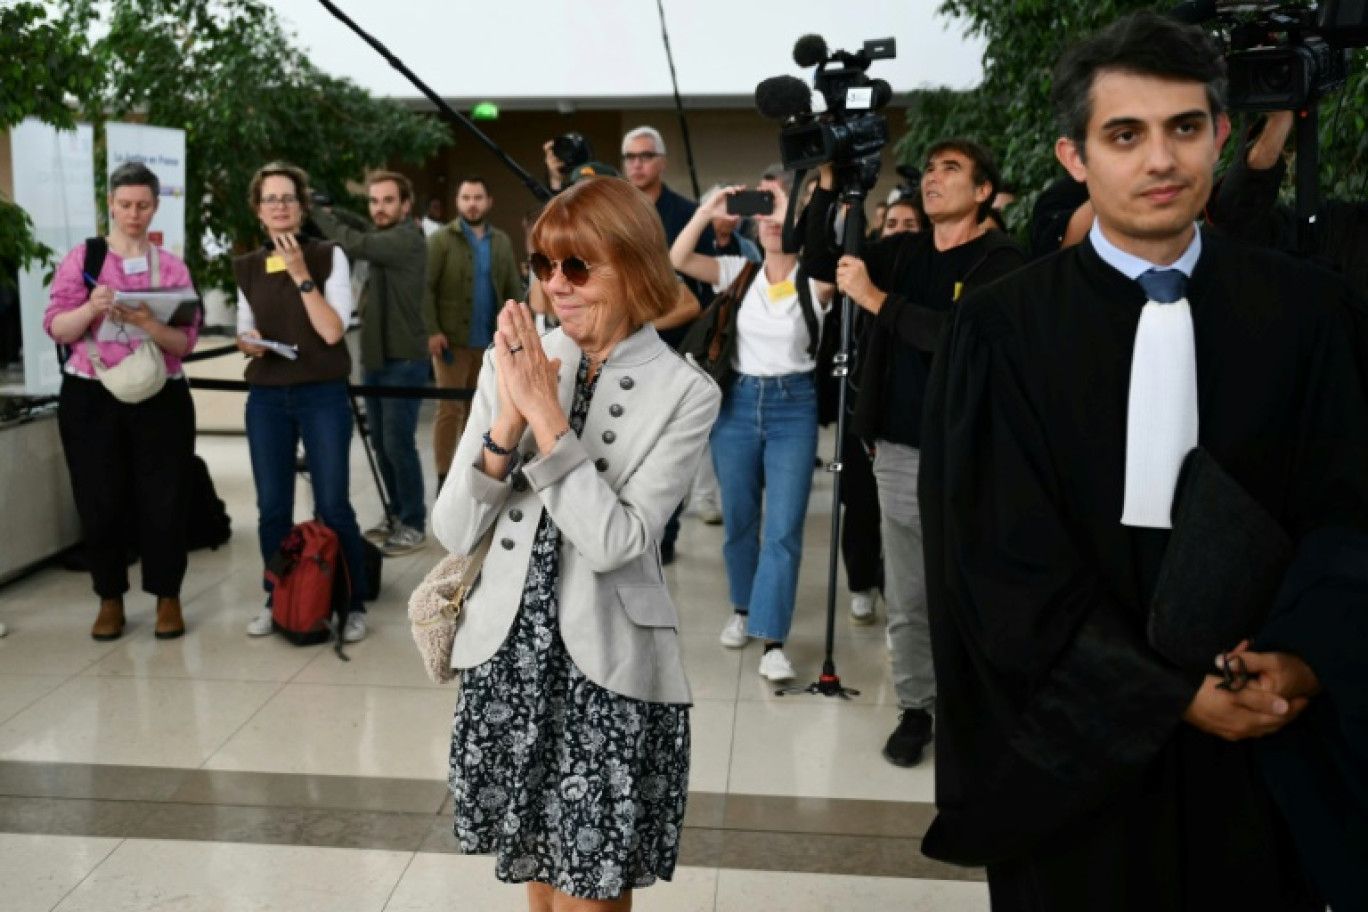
1164 286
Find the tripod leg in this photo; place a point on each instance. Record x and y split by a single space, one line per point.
363 431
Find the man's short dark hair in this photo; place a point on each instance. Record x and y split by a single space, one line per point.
135 174
985 171
1142 44
402 182
474 179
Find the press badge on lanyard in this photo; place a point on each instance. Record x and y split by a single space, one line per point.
785 289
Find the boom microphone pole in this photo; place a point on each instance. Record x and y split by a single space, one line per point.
679 102
540 192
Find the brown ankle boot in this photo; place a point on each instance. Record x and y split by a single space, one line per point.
110 623
170 624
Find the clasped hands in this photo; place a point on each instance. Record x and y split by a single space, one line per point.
529 382
1276 689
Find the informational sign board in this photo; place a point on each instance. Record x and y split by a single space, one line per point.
163 150
54 182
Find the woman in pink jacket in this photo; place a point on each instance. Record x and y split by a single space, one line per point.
129 463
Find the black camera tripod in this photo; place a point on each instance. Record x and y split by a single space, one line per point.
855 182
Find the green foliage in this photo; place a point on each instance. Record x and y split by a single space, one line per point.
42 66
227 72
1010 110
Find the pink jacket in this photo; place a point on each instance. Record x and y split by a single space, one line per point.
68 292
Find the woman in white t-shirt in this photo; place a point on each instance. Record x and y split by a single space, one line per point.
765 438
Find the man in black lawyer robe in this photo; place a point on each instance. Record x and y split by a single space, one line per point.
1084 770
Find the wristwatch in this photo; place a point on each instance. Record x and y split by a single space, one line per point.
306 286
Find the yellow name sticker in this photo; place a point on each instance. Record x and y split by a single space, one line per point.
785 289
274 264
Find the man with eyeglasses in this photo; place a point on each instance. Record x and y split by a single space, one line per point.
643 164
394 344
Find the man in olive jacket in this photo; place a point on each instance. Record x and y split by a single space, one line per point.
471 272
393 347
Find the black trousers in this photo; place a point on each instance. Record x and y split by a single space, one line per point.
861 543
130 470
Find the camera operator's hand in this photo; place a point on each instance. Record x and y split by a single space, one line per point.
826 176
1265 151
555 168
852 278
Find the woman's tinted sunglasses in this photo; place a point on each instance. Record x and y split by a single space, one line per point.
575 270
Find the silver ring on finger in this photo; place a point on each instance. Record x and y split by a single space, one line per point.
514 349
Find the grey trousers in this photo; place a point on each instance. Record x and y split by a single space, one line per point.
909 633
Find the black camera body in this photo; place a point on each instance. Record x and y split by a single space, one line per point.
572 149
1288 57
843 126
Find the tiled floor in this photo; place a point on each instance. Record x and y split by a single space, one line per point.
221 772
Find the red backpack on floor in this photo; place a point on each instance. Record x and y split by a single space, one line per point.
311 586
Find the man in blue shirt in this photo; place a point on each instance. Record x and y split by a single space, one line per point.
472 270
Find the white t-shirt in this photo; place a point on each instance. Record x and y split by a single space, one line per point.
337 291
771 337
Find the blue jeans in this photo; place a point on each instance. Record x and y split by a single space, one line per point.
763 445
394 430
278 417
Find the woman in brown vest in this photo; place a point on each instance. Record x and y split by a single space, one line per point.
296 291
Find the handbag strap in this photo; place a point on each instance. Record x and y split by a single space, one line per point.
478 558
731 300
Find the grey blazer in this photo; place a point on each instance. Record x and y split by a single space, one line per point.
610 491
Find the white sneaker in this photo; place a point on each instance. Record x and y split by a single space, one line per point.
734 634
775 666
261 625
383 531
356 628
709 512
862 607
404 541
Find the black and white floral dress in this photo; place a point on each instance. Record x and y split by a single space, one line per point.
567 783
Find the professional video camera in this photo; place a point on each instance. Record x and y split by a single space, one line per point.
1284 56
837 122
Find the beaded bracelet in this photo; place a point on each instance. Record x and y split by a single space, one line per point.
494 448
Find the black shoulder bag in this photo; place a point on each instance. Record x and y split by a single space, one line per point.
712 338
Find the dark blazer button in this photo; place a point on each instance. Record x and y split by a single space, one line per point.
519 483
626 383
515 514
507 544
609 436
615 410
601 464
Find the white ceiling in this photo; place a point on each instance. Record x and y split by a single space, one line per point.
551 51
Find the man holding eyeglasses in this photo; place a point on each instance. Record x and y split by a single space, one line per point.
394 343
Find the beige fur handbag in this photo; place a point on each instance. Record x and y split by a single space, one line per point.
436 606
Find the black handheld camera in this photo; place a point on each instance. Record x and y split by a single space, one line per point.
572 149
